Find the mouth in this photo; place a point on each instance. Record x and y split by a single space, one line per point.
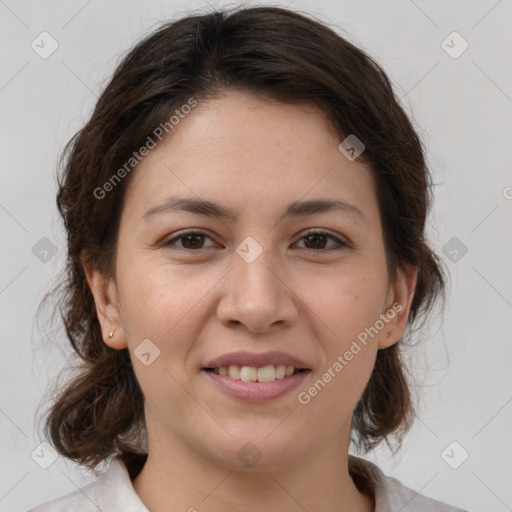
256 377
268 373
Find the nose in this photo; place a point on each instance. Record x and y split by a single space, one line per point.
257 296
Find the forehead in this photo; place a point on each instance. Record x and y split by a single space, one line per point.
244 151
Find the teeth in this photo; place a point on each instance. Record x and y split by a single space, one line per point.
266 374
234 372
253 374
280 371
248 374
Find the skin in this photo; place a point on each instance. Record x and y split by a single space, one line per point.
305 297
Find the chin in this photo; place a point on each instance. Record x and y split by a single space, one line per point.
261 450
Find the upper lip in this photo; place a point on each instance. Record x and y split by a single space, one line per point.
258 360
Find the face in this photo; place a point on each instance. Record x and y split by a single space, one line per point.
265 278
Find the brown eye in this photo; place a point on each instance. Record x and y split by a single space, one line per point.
314 241
317 240
191 240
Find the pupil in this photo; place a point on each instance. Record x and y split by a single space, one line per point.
315 238
193 237
196 239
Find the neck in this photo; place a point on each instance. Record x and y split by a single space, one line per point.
179 478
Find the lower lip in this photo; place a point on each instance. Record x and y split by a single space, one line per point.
257 391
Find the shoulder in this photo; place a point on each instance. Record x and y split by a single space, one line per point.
390 494
83 499
111 492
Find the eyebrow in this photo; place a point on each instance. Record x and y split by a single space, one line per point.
210 209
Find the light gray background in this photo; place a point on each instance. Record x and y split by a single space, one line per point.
462 108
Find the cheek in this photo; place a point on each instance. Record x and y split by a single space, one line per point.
328 402
348 303
160 305
349 311
157 299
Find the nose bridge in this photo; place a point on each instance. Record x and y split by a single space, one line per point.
255 272
254 275
255 295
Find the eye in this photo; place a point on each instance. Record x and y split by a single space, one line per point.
194 240
317 241
191 240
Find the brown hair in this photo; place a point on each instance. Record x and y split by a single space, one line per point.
268 51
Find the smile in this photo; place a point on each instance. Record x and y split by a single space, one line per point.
256 377
267 373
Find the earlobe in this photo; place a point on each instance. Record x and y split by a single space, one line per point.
117 342
397 311
104 291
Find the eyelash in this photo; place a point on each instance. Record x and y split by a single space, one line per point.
342 245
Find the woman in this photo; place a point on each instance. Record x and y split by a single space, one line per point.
245 213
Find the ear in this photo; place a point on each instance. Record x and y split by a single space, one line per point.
105 295
398 305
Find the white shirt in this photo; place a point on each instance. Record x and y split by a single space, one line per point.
113 492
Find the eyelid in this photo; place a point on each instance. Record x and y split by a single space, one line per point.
342 243
181 234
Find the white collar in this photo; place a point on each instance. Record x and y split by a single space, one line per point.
113 491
